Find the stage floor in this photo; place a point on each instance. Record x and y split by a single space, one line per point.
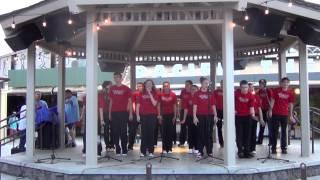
185 165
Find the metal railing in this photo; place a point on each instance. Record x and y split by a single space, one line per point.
314 112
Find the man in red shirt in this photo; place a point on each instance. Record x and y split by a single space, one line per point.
218 95
258 118
244 106
281 107
203 108
168 109
147 112
133 125
185 93
265 95
121 111
103 106
188 119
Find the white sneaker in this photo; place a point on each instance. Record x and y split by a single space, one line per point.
169 152
118 155
190 151
124 154
165 152
151 155
83 155
142 155
196 151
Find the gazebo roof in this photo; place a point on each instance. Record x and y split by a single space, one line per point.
162 39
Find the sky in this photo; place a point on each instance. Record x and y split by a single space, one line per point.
18 4
7 7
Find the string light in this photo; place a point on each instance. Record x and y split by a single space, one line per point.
98 27
290 4
13 24
246 17
70 21
233 24
44 23
266 12
107 21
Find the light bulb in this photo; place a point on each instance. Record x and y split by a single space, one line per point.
70 21
44 24
290 4
266 11
246 17
13 25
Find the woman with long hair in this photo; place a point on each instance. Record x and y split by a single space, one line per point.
203 108
148 113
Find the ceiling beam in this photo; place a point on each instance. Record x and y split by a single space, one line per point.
137 38
206 37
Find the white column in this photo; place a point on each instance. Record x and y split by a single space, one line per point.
304 100
213 73
228 89
282 64
30 102
61 100
133 72
91 89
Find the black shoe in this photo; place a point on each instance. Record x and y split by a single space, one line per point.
248 155
241 155
284 151
258 143
73 144
221 145
273 151
130 148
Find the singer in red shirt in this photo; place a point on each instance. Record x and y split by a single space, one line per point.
133 125
188 119
244 106
258 118
218 95
168 110
203 108
281 107
185 93
121 112
265 95
148 113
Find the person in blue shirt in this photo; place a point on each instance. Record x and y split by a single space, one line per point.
72 116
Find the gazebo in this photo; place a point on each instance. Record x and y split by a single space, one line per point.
132 32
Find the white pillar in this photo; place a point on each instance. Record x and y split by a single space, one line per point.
91 89
61 100
133 72
213 73
30 102
282 64
304 100
228 88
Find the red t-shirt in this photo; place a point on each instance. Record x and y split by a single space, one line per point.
257 103
167 102
204 102
134 99
265 96
243 102
281 101
218 95
188 104
184 95
103 101
120 96
146 106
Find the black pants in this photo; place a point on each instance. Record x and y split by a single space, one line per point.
156 133
119 122
262 128
243 133
107 131
192 133
204 133
133 126
183 132
167 128
148 124
253 141
174 134
22 142
219 127
275 122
